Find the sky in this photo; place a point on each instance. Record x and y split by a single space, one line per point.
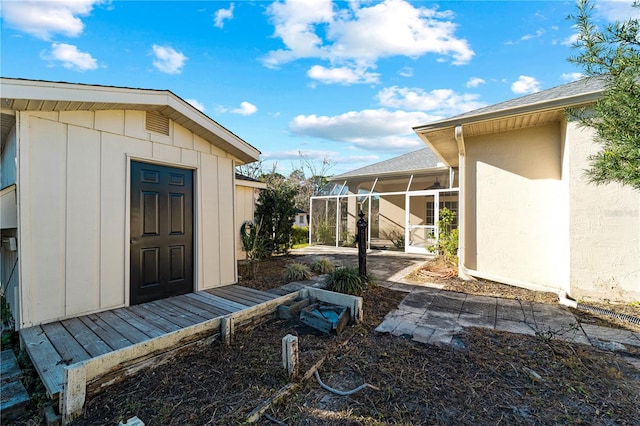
339 80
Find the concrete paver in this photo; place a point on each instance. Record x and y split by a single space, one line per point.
434 316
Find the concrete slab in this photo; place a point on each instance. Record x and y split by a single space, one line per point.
626 337
515 327
387 326
405 328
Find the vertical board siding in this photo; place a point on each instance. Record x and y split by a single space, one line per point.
46 217
227 228
209 231
74 216
83 221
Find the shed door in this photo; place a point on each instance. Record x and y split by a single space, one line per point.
161 232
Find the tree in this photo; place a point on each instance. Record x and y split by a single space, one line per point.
275 212
613 52
310 177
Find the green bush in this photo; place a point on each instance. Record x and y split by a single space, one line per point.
323 233
348 239
346 280
447 245
300 235
322 265
298 272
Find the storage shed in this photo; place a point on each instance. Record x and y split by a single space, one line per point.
111 196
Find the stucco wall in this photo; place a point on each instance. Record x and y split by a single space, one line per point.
74 208
604 235
513 203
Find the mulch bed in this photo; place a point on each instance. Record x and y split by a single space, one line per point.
489 378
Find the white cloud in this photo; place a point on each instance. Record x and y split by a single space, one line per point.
246 108
42 19
572 76
196 104
440 102
406 72
475 82
569 41
358 36
617 10
70 57
537 34
223 15
525 84
379 129
168 60
341 75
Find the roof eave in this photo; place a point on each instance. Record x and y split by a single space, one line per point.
108 97
371 176
585 98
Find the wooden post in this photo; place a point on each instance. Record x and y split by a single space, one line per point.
74 390
227 329
362 246
290 355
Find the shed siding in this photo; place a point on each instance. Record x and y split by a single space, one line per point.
74 199
604 232
244 211
513 182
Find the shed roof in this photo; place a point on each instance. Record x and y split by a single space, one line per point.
39 95
416 161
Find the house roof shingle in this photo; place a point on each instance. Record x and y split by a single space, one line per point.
413 161
589 88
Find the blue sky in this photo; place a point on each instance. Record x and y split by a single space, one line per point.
339 80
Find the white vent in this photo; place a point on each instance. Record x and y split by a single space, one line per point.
157 122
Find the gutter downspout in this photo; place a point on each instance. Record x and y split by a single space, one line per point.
462 270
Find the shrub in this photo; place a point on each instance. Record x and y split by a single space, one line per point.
298 272
322 265
300 235
447 245
323 233
346 280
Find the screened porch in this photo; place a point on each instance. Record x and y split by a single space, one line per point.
402 211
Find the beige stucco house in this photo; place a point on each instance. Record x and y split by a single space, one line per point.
400 197
528 216
111 196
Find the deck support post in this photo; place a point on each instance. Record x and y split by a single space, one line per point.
74 391
227 329
290 355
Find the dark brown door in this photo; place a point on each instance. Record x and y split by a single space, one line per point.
161 232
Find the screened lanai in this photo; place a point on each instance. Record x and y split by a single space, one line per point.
401 199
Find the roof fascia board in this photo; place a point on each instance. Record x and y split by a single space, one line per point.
559 103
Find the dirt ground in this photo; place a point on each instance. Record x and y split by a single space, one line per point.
489 378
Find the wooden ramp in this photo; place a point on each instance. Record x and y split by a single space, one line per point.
54 346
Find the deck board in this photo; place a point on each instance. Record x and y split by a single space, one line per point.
145 326
132 334
154 319
191 306
262 295
45 358
84 336
58 344
207 305
110 336
66 345
229 305
178 315
237 297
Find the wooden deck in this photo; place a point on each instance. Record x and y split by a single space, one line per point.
56 345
